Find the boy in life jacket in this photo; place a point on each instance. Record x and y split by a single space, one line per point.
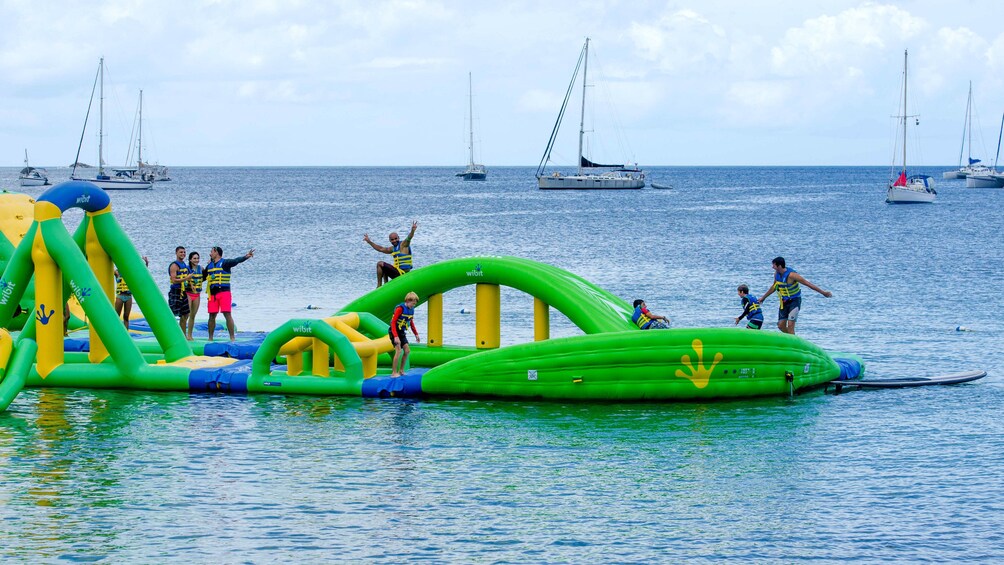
788 283
399 250
751 309
404 316
645 319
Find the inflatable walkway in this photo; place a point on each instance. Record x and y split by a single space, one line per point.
349 353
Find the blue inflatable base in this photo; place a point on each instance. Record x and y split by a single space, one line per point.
408 386
849 369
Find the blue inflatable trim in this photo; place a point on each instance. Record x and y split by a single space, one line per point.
77 194
231 378
242 350
408 386
849 369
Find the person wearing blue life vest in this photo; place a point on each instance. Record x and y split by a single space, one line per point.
645 319
176 298
788 283
401 320
217 274
399 250
751 309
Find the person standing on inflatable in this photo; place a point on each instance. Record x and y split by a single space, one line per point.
217 273
404 316
751 309
787 284
400 250
179 275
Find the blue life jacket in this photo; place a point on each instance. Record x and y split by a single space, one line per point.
755 313
218 279
402 260
786 290
640 318
182 270
404 320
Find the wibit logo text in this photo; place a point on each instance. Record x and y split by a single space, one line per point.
477 272
83 199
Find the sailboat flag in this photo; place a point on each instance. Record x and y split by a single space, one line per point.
901 181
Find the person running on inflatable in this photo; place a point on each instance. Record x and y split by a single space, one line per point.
645 319
404 316
751 309
787 284
400 250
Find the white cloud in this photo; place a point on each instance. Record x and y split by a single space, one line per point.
683 40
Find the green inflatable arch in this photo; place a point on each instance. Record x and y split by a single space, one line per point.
591 308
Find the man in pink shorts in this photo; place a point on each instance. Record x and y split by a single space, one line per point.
217 274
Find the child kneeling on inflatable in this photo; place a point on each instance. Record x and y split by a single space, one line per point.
404 316
646 320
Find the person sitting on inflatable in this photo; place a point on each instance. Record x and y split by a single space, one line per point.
645 319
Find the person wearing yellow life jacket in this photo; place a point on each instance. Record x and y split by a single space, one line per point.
788 285
399 250
645 319
123 296
751 309
217 274
193 290
176 299
401 320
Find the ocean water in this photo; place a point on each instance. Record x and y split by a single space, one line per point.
889 475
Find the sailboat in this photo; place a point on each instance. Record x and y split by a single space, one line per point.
972 166
904 189
146 171
473 171
31 176
123 179
613 176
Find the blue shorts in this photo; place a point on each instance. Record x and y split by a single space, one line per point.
789 309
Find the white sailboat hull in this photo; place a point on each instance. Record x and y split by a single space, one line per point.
118 184
589 182
984 181
910 194
33 182
959 174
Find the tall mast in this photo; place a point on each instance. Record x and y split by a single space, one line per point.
101 118
470 102
904 109
969 125
582 118
139 143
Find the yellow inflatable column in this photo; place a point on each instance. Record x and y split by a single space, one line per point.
48 305
320 362
434 334
541 320
488 316
294 364
101 264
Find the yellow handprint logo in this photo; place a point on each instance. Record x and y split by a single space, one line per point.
698 375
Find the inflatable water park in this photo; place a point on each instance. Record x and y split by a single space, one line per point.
349 352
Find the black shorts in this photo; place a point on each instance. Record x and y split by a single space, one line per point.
178 302
755 324
789 309
401 334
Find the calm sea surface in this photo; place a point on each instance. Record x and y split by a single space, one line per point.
895 475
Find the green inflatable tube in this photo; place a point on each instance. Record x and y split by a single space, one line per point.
591 308
640 365
13 378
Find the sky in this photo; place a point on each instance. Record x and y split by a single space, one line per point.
385 82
